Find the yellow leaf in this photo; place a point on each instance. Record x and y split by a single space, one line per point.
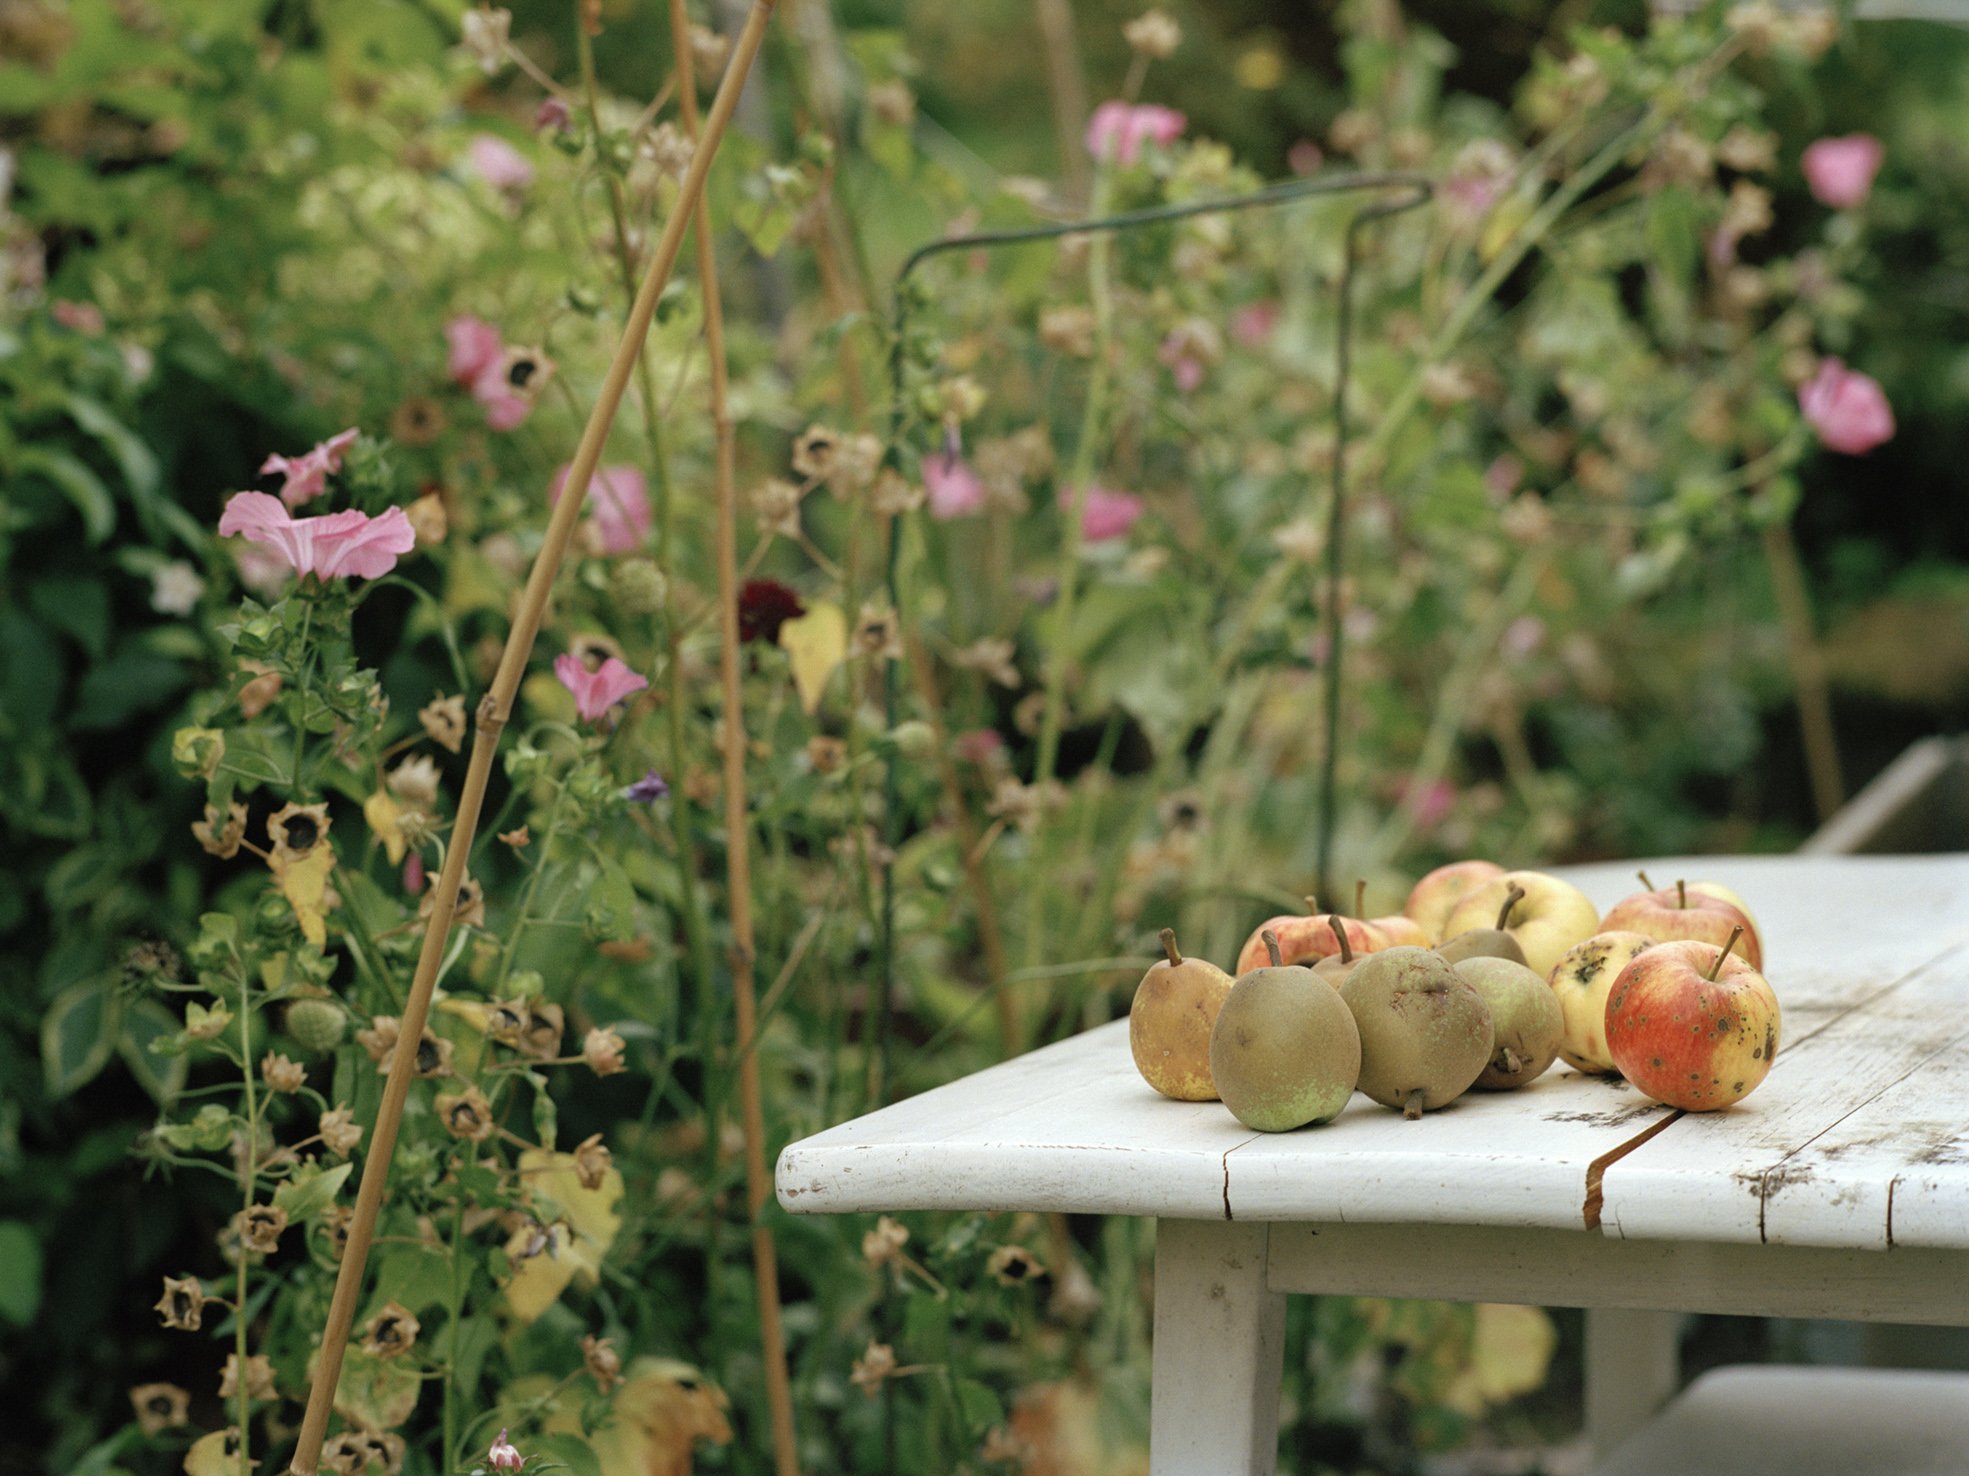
816 643
542 1268
216 1454
663 1410
304 882
1511 1350
379 1393
583 1226
382 813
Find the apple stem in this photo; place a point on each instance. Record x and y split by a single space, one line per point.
1412 1108
1360 897
1312 904
1511 899
1271 947
1716 968
1681 894
1168 936
1346 953
1644 880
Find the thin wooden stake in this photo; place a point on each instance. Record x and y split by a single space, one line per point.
738 823
493 712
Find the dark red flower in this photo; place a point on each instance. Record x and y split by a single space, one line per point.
764 605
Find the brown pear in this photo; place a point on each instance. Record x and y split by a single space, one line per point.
1526 1020
1487 942
1169 1023
1285 1052
1425 1033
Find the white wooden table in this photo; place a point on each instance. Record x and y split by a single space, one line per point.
1840 1189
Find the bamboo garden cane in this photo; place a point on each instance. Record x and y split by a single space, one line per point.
493 711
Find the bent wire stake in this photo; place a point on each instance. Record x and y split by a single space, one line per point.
1413 190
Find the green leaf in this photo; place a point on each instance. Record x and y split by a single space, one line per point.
73 479
145 1023
20 1273
78 1034
417 1276
571 1450
979 1404
611 901
308 1193
77 607
133 458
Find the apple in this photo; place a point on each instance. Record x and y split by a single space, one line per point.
1437 894
1692 1025
1304 938
1685 913
1401 931
1550 917
1716 889
1582 980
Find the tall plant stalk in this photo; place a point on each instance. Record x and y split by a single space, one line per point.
738 823
494 710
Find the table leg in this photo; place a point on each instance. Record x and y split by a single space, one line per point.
1633 1363
1218 1353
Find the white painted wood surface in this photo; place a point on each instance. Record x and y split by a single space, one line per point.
1633 1362
1870 959
1218 1351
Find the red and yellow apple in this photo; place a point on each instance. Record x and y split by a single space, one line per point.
1685 912
1582 980
1436 895
1305 938
1693 1026
1550 917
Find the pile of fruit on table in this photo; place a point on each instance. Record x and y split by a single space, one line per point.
1483 980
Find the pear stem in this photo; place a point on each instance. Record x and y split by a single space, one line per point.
1168 936
1716 968
1360 897
1271 947
1644 880
1681 894
1508 1061
1412 1108
1346 953
1511 899
1313 903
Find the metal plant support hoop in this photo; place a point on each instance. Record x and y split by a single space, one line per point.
1400 192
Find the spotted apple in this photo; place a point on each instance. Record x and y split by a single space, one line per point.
1693 1025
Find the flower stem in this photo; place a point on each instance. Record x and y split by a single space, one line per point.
249 1177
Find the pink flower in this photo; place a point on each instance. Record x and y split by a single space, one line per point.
978 746
552 116
504 410
504 1455
342 545
498 163
83 317
1117 131
1848 409
1524 635
954 489
1253 323
261 569
619 499
1429 804
1184 366
413 874
595 692
475 347
1106 514
307 474
508 385
1304 157
1840 171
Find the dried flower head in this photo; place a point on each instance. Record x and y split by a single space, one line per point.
391 1332
814 451
873 1368
884 1243
258 694
708 51
1013 1265
776 504
1068 329
1153 33
601 1360
362 1452
878 633
221 838
506 1021
602 1050
466 1114
469 911
415 781
297 830
670 149
592 1161
433 1058
159 1407
340 1133
282 1074
826 755
379 1040
893 494
991 658
182 1306
257 1229
543 1032
259 1377
485 34
444 721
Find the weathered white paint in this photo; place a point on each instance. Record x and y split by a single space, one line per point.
1218 1352
1633 1363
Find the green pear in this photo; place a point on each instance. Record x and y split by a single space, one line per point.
1528 1023
1425 1033
1285 1052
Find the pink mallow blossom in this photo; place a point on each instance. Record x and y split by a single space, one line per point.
504 1455
1840 171
1848 409
307 474
1105 514
342 545
953 489
1253 323
83 317
595 692
498 163
474 347
618 501
1117 131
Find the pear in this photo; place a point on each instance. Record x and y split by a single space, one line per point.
1487 942
1285 1052
1526 1019
1425 1032
1169 1023
1336 967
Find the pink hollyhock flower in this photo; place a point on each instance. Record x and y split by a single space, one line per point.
498 163
474 345
307 474
1304 157
261 569
1840 171
83 317
1253 323
979 746
1106 514
1184 367
953 489
1430 804
1848 409
1117 131
508 386
342 545
595 692
619 501
504 1455
413 874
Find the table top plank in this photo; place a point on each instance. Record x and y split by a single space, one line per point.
1072 1127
